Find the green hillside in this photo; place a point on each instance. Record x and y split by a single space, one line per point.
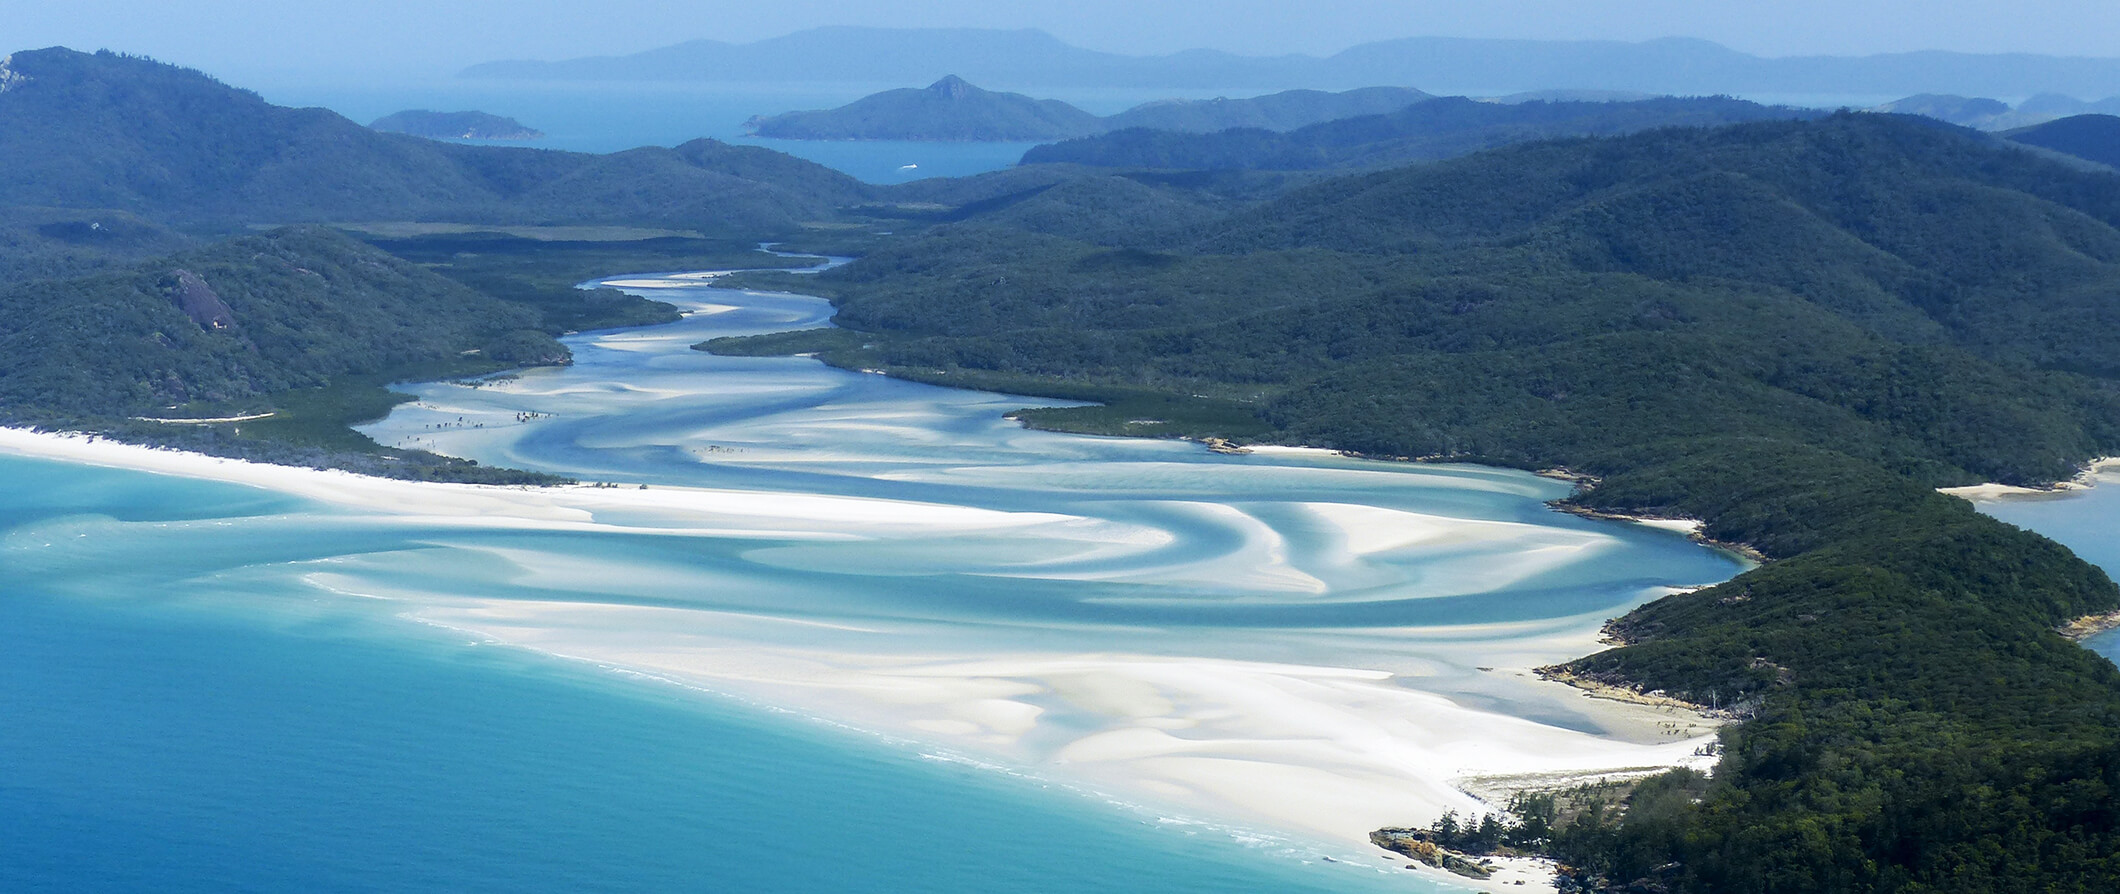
302 324
126 299
104 131
1791 330
2089 137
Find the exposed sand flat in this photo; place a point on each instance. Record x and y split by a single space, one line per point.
1332 752
1992 491
1281 450
1372 529
661 283
687 511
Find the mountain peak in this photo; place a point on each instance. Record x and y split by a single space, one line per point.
953 87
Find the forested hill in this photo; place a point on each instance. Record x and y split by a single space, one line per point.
1286 110
1811 270
951 109
1792 330
1438 128
101 130
122 179
303 320
241 319
2089 137
946 110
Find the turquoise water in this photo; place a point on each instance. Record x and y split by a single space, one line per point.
169 728
2087 522
213 687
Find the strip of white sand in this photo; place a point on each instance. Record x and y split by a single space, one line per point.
2093 472
1281 450
1687 526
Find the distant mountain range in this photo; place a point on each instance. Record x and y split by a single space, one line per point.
103 131
1435 129
952 109
454 126
1029 58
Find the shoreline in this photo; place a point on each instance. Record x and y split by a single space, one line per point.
2088 626
1992 492
1693 711
1690 527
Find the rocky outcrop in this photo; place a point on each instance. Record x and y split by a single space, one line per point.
198 301
10 78
1420 845
2089 626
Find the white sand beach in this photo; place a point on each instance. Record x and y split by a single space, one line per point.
2099 469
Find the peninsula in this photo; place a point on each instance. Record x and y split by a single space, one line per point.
454 126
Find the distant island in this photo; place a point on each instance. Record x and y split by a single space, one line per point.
946 110
953 109
454 126
1995 115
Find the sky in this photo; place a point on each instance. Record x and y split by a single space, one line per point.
293 38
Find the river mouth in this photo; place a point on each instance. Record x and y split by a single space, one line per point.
1310 642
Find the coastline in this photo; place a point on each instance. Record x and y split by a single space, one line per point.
2085 478
2088 626
1319 751
1690 527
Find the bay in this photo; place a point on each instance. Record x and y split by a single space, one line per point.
2086 521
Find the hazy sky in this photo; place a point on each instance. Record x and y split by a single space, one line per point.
262 37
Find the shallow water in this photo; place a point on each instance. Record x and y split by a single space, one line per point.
211 686
1160 546
181 717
